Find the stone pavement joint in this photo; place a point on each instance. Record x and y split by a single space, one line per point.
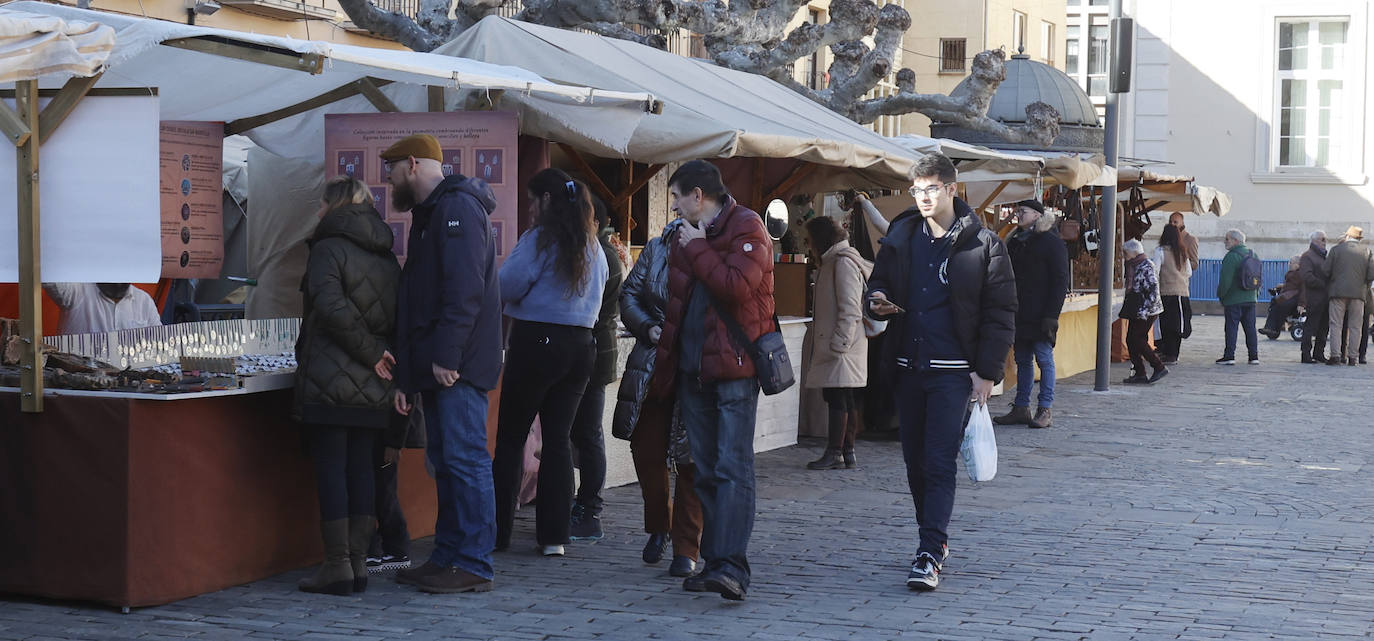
1222 503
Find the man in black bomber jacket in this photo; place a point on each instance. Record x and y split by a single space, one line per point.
946 283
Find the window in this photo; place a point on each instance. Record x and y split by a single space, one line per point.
1311 102
1072 64
1018 31
1098 32
952 55
812 76
1047 41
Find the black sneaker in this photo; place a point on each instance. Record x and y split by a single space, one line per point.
925 573
387 563
1226 361
584 525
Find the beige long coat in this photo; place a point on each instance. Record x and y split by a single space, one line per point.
839 350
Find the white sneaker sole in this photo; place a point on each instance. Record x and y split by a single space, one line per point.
388 567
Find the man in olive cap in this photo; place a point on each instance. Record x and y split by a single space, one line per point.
1349 269
448 349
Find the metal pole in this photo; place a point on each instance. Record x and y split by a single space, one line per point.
1106 241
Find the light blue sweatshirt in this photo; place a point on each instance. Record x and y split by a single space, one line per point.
531 290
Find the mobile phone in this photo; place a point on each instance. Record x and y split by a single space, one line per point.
872 299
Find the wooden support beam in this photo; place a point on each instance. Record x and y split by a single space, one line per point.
436 98
798 174
756 187
638 184
993 196
63 104
311 63
30 246
333 95
374 95
593 180
14 127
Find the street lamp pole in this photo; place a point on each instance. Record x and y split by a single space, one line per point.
1119 80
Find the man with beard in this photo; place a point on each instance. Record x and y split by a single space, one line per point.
448 349
102 307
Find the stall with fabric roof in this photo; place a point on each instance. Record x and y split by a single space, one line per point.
136 499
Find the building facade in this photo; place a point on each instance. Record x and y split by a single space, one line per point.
1270 109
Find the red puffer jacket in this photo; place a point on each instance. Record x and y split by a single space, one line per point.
735 261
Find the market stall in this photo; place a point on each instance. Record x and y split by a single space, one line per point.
155 482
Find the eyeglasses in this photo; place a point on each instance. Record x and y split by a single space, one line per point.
930 191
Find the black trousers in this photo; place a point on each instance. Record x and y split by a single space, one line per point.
343 469
1138 344
590 443
393 535
1315 330
547 370
1279 312
1175 324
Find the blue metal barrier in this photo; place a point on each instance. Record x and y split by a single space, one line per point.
1204 283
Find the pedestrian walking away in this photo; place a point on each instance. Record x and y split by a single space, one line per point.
945 283
720 270
1237 300
587 436
448 340
1349 268
344 373
1041 264
656 439
551 285
839 349
1140 308
1175 268
1310 269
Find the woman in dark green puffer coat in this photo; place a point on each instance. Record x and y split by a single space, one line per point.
343 374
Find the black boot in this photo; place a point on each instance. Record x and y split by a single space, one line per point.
831 460
850 462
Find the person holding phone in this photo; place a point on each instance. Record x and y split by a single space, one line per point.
945 282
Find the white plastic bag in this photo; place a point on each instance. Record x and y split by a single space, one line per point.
979 448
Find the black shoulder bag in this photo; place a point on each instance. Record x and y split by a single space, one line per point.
772 365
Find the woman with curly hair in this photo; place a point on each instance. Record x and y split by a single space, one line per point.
551 286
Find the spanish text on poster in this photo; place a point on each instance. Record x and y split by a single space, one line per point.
477 144
192 219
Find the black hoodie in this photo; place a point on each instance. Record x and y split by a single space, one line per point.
349 316
449 311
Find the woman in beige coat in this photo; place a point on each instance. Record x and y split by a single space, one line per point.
839 351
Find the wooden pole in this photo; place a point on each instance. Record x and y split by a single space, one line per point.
30 272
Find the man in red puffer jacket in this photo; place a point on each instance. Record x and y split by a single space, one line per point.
721 261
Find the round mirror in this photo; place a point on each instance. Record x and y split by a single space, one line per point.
775 218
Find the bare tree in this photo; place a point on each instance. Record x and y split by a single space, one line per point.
752 36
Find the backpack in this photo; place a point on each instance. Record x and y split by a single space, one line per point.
1251 272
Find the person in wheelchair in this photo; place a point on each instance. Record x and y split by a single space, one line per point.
1287 298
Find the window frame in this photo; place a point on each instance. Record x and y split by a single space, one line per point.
1047 38
963 57
1020 23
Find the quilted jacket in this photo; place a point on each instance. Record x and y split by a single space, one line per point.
349 292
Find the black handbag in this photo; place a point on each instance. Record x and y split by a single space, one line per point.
772 365
1131 305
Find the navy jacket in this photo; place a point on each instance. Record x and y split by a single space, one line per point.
982 290
449 307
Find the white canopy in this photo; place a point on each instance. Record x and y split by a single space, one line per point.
983 170
33 46
221 75
708 111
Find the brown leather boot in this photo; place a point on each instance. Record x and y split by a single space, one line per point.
1017 416
335 575
1043 418
360 529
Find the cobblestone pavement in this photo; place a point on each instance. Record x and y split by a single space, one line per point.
1224 502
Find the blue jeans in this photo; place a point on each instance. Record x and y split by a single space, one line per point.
1244 316
465 530
1043 353
720 427
932 408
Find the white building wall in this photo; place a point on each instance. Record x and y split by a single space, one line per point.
1204 89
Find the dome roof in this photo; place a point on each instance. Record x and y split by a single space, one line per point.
1030 81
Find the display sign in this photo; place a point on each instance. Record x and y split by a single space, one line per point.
98 200
191 156
481 144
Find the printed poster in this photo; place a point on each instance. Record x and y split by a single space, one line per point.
479 144
191 156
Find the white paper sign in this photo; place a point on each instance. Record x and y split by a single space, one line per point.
98 203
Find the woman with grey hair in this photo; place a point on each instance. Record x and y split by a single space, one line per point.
1140 308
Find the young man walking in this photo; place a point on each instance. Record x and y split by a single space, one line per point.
1238 302
720 271
449 350
946 283
1041 263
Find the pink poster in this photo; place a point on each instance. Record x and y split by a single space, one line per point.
192 220
479 144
